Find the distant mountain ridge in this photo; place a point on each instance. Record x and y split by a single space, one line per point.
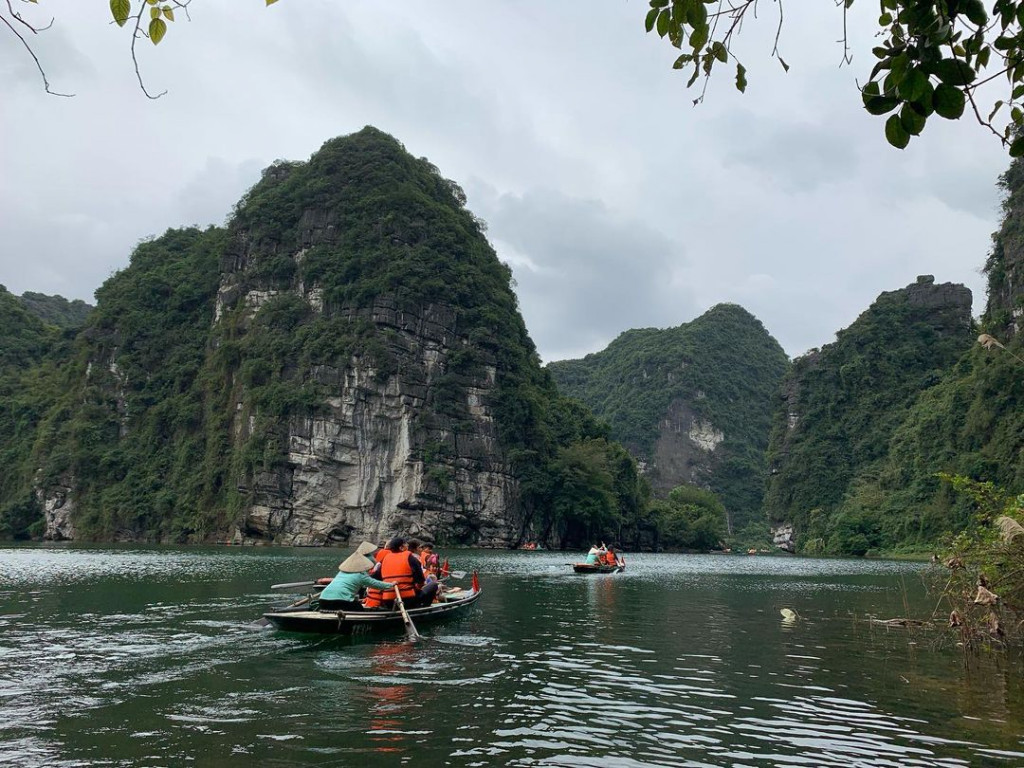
56 310
693 403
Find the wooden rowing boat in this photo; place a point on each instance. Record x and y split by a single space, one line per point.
597 568
350 622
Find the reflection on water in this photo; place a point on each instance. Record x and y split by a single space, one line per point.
147 656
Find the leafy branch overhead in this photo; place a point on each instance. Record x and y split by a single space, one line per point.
148 19
935 57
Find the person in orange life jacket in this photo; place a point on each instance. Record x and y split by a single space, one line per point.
342 594
610 558
429 560
402 568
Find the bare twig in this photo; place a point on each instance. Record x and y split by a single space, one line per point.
24 42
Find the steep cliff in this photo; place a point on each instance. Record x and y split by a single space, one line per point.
1004 309
28 348
692 403
840 407
344 361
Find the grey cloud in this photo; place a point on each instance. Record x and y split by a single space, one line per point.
786 198
585 273
211 195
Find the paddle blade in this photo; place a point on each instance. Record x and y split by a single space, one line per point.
293 585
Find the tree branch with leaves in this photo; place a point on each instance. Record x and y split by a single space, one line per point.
150 17
935 57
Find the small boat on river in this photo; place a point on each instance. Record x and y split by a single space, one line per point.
597 568
454 602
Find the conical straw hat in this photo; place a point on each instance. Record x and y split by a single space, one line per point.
356 563
366 548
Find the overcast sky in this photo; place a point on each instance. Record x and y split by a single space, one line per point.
618 204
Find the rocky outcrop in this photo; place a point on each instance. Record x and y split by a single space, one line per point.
1004 309
685 449
59 510
783 537
692 403
375 462
344 361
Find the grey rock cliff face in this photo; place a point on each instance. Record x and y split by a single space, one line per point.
684 451
378 460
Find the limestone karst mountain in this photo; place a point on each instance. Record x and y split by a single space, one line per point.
692 403
345 360
843 405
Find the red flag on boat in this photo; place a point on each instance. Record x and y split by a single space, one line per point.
444 568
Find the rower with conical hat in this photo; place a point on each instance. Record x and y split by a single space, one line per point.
342 594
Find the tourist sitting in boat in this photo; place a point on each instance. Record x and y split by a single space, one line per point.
402 568
595 555
609 557
429 560
342 594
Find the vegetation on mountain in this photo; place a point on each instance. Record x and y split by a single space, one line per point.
145 432
28 349
56 310
832 446
691 518
723 368
895 406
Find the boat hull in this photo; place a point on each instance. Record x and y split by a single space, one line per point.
355 622
585 568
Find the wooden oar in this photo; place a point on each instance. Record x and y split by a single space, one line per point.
293 585
410 628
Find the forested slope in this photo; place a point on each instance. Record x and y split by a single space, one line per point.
693 402
344 360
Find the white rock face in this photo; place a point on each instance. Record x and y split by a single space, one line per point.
358 470
782 537
59 511
704 434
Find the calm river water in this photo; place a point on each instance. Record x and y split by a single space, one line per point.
146 656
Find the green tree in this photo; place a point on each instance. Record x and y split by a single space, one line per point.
933 57
691 518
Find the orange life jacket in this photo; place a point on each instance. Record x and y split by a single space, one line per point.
396 569
609 558
380 554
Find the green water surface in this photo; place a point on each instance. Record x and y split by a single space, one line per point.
147 656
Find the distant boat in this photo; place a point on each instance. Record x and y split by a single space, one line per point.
598 568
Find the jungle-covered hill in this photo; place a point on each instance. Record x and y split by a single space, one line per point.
842 405
345 359
875 425
693 403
